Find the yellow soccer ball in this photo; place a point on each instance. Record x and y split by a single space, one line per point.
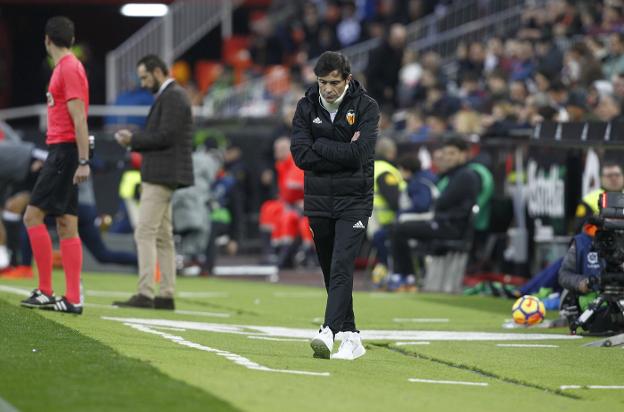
528 310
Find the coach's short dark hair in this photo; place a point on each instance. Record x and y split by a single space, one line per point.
456 142
152 62
330 61
60 30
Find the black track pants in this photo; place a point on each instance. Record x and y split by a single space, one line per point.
338 243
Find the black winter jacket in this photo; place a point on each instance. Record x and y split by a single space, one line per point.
338 173
458 198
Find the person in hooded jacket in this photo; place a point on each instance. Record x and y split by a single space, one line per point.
335 129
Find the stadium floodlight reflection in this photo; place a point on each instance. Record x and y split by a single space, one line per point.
144 9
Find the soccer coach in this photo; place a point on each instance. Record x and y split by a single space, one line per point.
335 129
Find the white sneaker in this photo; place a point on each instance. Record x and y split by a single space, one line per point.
351 347
323 343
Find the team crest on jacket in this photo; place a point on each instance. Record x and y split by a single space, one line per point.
350 117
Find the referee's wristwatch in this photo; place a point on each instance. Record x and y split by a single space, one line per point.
83 162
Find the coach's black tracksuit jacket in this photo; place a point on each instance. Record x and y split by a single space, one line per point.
338 188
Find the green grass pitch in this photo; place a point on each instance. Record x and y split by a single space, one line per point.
242 346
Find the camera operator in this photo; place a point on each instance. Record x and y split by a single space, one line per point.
592 272
581 262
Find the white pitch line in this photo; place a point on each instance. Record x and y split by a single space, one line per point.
236 358
412 343
199 313
170 328
17 291
524 345
6 406
277 339
565 387
448 382
369 335
421 320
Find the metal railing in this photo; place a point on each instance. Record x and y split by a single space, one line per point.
445 28
168 36
40 111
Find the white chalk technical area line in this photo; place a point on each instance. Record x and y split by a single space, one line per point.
448 382
524 345
237 359
565 387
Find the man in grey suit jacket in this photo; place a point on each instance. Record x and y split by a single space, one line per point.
166 146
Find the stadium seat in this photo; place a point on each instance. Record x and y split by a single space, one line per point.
446 260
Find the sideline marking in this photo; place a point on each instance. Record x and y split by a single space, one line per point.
524 345
17 291
6 406
448 382
564 387
421 320
412 343
277 339
237 359
308 333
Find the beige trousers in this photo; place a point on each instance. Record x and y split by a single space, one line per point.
154 239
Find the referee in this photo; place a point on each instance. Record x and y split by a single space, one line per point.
67 164
334 135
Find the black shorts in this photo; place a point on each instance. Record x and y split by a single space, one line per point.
55 192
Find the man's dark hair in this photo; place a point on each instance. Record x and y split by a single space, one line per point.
152 62
457 142
330 61
607 164
60 30
409 162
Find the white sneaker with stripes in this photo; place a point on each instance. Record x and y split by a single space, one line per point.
63 305
38 299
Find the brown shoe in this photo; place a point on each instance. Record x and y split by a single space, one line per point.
136 301
163 303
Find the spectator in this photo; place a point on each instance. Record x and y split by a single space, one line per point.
614 62
452 210
384 64
348 29
387 188
281 220
416 130
191 209
611 180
